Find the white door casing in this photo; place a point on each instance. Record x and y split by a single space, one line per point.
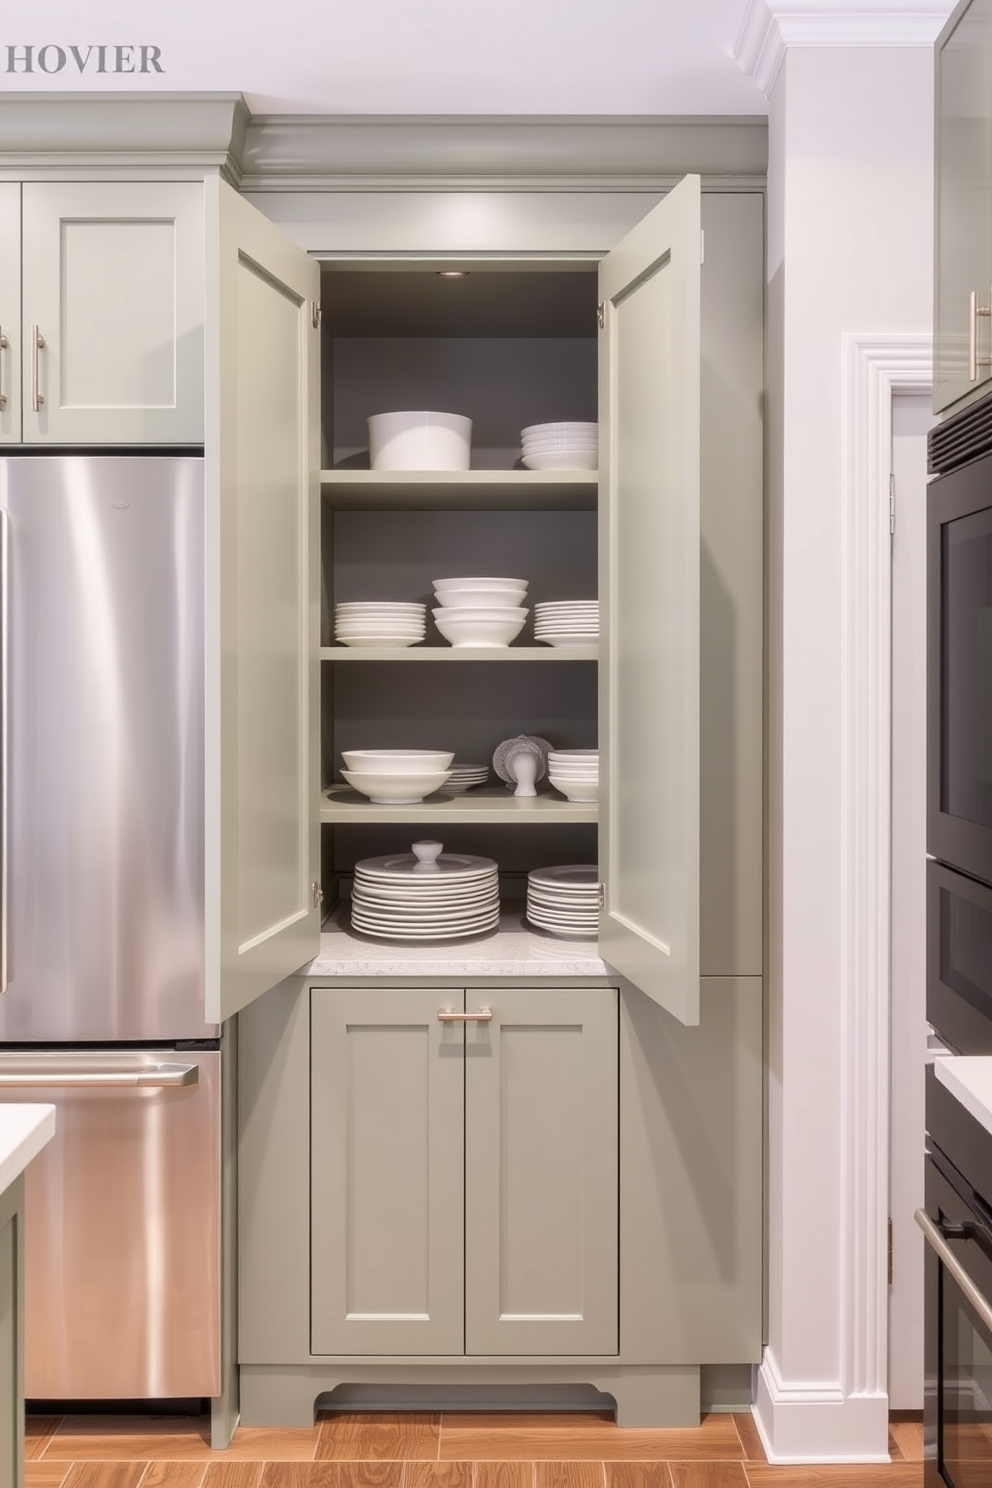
649 602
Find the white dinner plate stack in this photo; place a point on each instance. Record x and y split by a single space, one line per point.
562 446
462 777
567 622
564 900
379 623
425 895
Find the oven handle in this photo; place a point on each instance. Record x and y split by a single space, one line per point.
947 1258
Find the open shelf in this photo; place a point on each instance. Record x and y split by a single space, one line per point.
443 489
459 653
489 805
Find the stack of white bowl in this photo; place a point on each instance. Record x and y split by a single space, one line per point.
462 777
575 772
562 446
567 622
480 612
564 900
396 777
425 895
379 622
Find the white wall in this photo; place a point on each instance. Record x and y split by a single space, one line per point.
850 229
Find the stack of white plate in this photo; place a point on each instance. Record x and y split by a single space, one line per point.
379 623
480 612
575 772
463 777
567 622
564 900
423 896
562 446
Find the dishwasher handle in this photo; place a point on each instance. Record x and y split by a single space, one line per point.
154 1077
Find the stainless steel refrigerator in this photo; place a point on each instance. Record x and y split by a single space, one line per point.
101 921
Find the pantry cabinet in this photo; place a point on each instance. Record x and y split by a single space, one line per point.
102 310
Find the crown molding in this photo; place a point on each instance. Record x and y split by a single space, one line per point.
770 27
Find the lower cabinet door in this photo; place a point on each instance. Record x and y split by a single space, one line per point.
541 1173
387 1173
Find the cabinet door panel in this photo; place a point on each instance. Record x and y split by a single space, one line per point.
649 602
387 1174
114 284
541 1174
263 623
10 312
963 200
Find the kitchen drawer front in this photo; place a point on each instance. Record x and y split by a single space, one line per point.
541 1173
387 1095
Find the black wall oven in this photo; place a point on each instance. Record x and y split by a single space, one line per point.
959 959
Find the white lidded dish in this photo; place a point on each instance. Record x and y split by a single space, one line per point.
419 439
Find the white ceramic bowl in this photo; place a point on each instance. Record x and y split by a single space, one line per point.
576 772
563 426
554 460
396 789
461 629
458 599
573 756
441 586
577 790
419 440
397 761
560 441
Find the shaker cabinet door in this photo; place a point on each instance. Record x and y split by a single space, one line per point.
262 461
649 602
112 317
10 312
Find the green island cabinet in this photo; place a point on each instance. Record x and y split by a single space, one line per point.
963 207
559 1197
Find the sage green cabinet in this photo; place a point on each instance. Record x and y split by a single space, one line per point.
464 1173
105 321
963 206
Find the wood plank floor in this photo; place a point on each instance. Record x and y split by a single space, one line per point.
411 1450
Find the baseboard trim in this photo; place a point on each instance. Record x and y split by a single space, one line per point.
807 1422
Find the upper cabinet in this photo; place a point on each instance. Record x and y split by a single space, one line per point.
963 206
101 313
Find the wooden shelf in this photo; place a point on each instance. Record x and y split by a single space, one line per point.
491 804
417 490
459 653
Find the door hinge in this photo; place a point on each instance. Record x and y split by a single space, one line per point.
890 1254
315 315
317 895
602 896
892 504
702 247
601 314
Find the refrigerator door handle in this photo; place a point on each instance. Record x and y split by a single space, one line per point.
154 1077
4 736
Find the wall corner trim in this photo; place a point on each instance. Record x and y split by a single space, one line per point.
771 27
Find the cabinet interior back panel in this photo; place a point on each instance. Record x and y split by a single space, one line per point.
501 383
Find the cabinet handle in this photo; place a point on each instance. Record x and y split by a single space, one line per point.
974 360
481 1015
4 343
37 342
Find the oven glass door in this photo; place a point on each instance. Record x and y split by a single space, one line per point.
966 1392
959 960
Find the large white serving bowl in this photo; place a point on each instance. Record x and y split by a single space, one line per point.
552 460
459 599
419 440
461 628
397 761
395 789
487 584
576 790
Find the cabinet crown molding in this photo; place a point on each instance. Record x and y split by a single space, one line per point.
770 27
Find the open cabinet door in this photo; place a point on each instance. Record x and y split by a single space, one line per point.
649 602
262 678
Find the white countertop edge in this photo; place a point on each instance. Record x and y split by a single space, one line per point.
968 1077
24 1131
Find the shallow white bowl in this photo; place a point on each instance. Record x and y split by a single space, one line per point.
419 440
577 772
379 640
457 599
572 756
488 584
395 789
460 631
559 441
575 791
503 613
397 761
563 426
546 460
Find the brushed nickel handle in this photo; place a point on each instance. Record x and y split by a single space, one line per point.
37 343
974 360
949 1260
481 1015
155 1077
4 343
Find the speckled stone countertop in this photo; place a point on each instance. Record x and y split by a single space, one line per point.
24 1131
514 950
